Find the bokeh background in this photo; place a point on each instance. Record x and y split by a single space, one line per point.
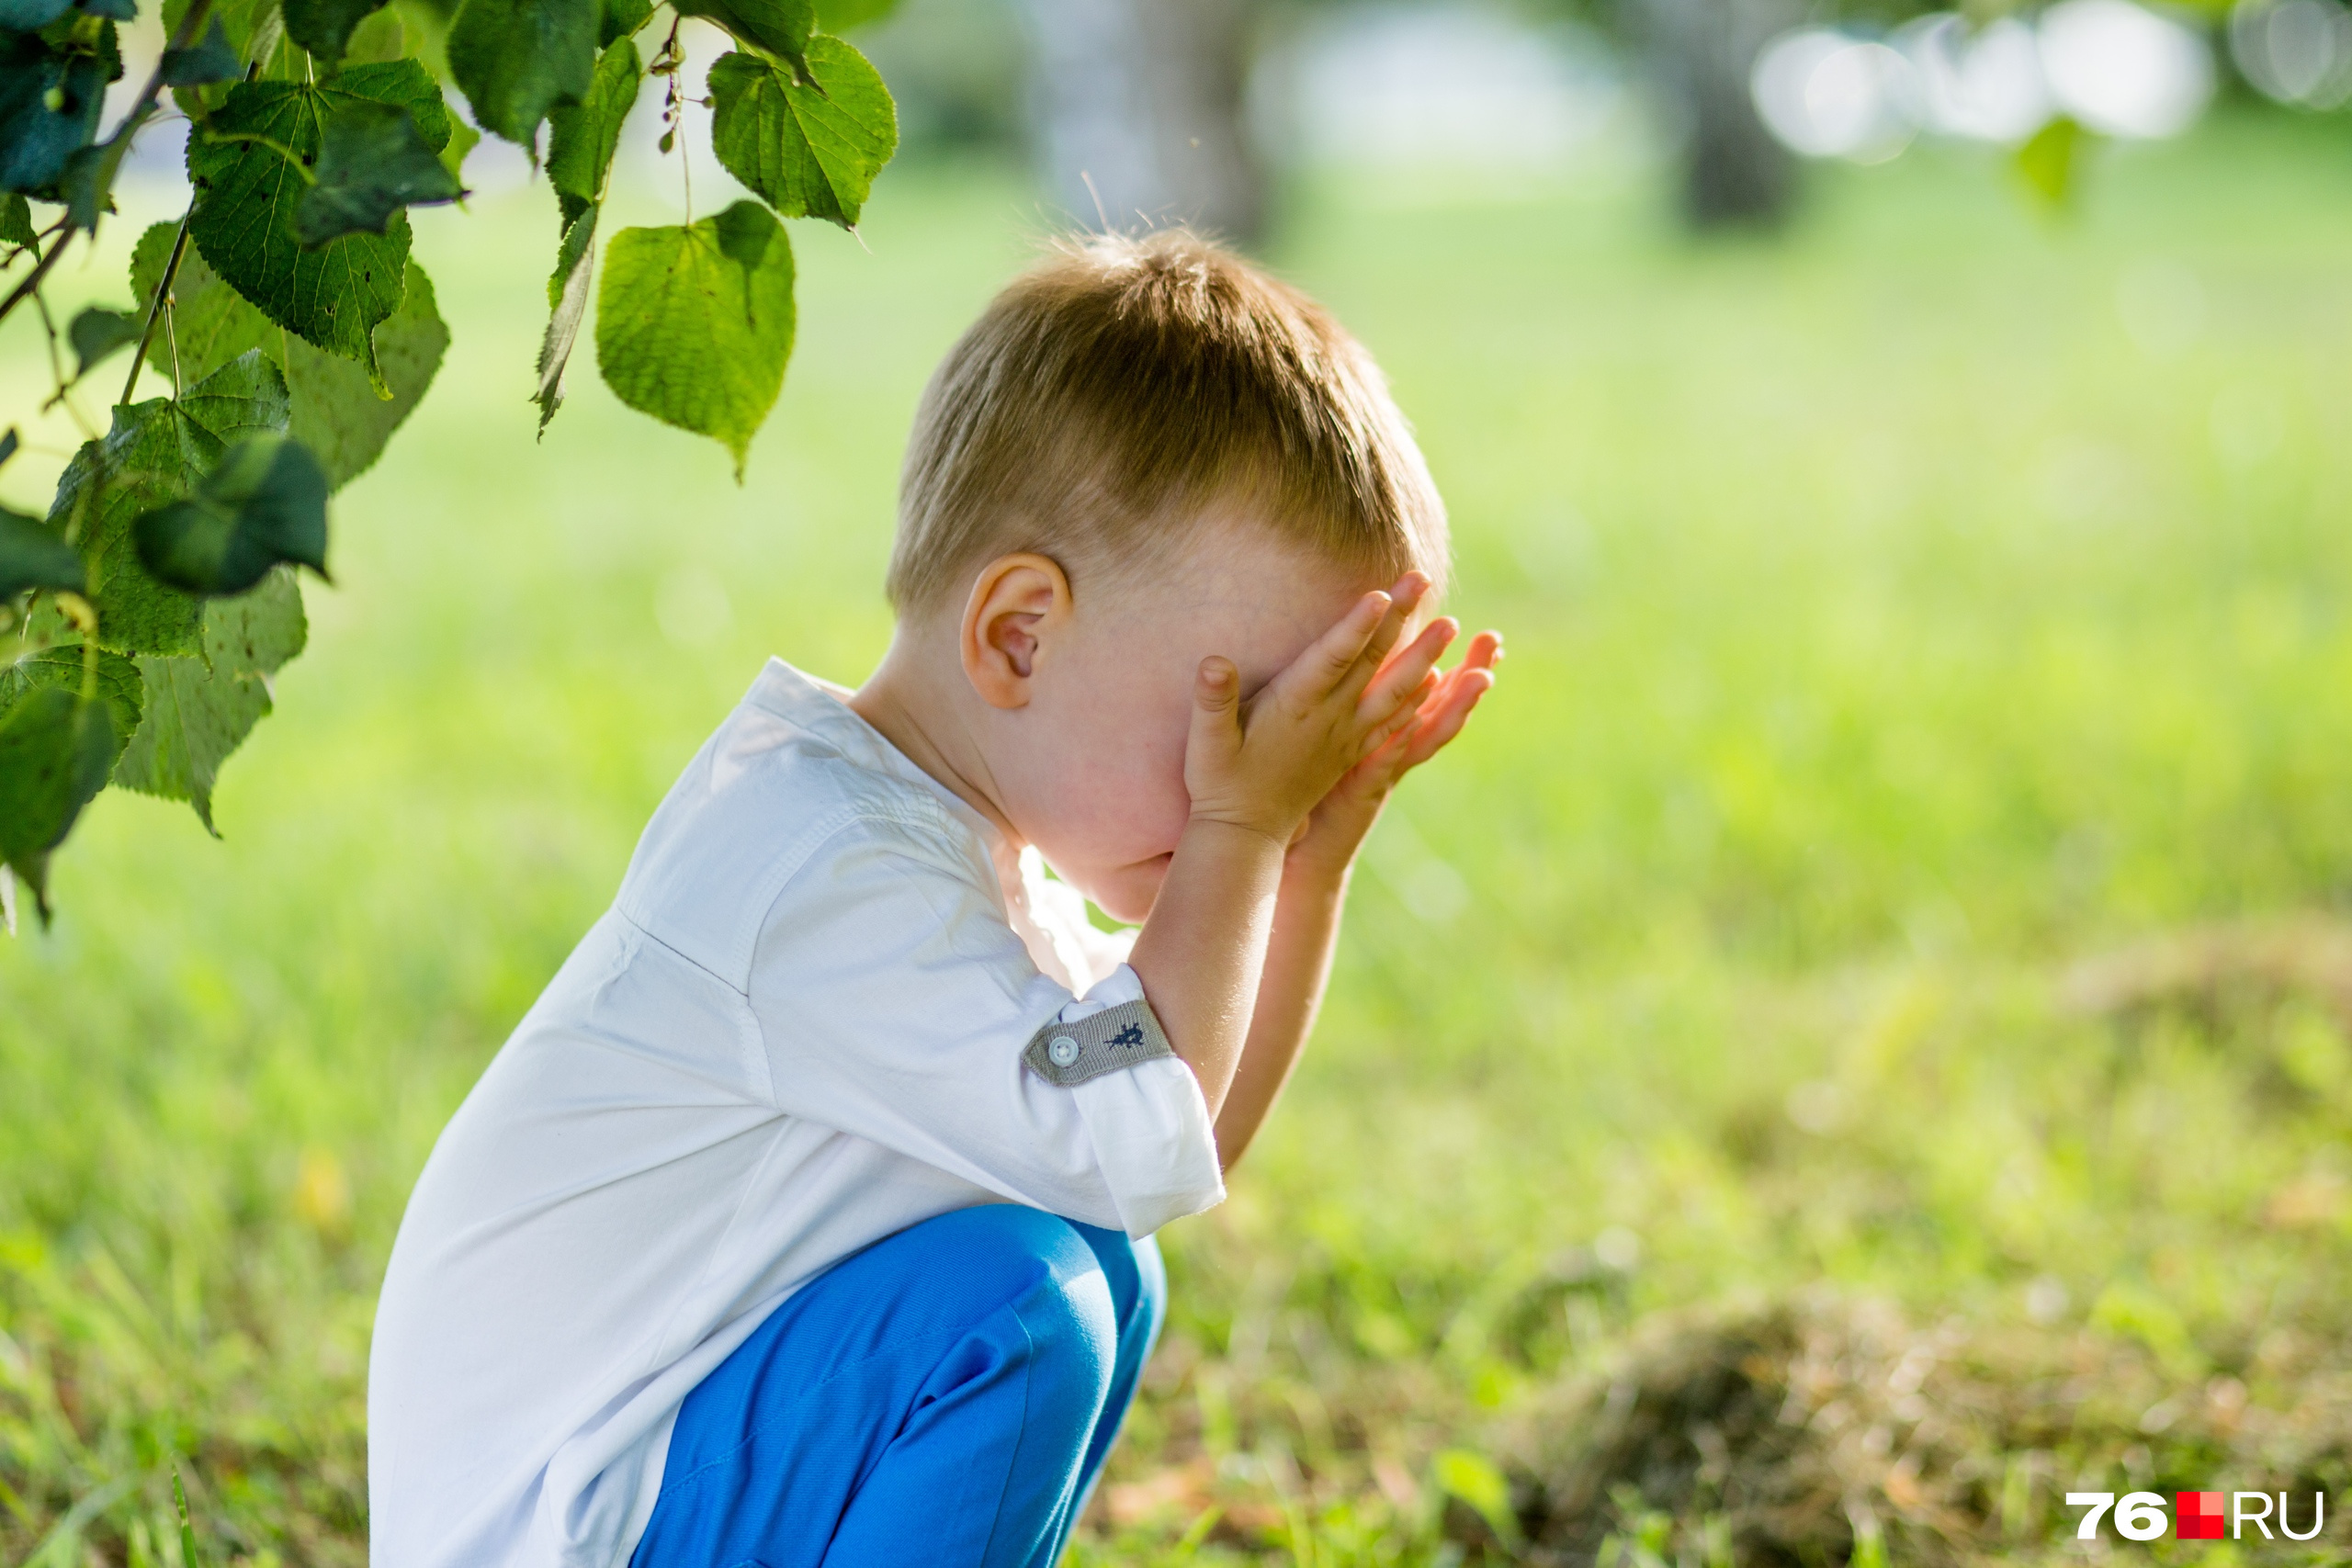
1851 1045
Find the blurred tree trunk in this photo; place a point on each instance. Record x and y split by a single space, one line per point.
1143 99
1701 52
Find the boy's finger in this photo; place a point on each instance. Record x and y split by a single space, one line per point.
1446 721
1402 598
1408 668
1406 713
1335 653
1216 701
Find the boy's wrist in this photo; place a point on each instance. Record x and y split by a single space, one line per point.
1215 820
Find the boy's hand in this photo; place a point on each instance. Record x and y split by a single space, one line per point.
1441 706
1341 703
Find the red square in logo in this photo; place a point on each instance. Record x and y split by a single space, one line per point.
2197 1516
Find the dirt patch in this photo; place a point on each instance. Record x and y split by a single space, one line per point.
1829 1430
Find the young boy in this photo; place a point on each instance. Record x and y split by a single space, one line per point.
805 1218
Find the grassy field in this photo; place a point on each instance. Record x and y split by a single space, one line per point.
1882 937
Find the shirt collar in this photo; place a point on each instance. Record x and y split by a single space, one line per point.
804 702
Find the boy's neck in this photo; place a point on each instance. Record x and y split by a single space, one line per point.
929 726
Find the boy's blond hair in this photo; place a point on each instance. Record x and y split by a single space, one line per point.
1112 394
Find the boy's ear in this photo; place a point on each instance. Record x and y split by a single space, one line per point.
1019 604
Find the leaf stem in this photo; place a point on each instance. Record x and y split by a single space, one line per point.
155 307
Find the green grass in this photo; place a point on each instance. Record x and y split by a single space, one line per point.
1888 631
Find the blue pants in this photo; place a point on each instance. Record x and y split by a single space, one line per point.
945 1397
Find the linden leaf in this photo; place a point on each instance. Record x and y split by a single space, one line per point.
33 555
210 323
373 162
50 101
581 137
157 452
336 411
382 37
251 167
199 709
780 26
32 16
463 139
211 59
265 505
515 59
16 221
839 16
618 19
254 30
567 304
324 26
55 748
810 150
97 333
109 677
694 324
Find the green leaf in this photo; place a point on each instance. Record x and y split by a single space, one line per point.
839 16
16 221
109 677
2051 158
50 101
158 451
580 137
336 411
808 150
515 59
263 506
211 59
251 169
256 29
780 26
55 748
694 324
211 322
199 709
619 19
97 331
381 37
373 162
567 304
33 555
32 16
463 139
324 27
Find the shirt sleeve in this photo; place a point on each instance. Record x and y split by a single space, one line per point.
894 1003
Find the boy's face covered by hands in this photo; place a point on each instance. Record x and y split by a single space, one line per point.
1246 679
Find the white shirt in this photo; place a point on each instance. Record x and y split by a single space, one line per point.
798 1029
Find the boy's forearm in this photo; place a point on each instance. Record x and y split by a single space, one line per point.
1202 953
1298 966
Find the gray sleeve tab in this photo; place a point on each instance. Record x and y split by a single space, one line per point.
1071 1054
